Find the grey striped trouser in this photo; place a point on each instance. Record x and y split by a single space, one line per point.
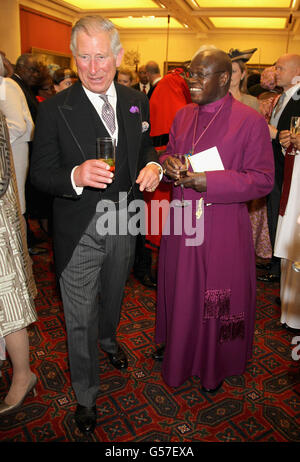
92 288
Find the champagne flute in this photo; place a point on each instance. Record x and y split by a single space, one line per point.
294 129
183 158
106 151
296 266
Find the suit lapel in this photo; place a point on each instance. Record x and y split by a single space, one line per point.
77 112
79 116
292 108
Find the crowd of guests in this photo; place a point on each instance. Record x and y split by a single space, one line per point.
259 179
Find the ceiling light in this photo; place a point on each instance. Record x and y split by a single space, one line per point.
249 23
244 3
149 22
116 4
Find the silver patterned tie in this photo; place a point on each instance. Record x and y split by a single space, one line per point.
108 114
279 104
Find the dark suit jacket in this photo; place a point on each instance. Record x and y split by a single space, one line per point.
136 86
291 109
29 95
65 136
149 94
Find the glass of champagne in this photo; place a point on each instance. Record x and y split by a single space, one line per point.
106 151
296 266
294 129
183 158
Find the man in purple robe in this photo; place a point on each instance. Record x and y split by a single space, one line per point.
207 292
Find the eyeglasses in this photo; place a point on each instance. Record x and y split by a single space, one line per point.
32 69
199 75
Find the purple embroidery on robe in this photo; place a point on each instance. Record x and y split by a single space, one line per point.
232 327
216 303
217 306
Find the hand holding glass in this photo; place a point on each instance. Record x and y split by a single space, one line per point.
295 130
106 151
183 158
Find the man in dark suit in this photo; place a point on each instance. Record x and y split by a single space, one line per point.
26 75
92 265
153 74
287 77
143 84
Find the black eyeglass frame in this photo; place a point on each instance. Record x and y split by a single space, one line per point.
199 75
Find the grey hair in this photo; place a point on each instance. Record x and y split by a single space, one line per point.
2 69
92 24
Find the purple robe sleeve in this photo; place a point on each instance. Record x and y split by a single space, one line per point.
254 178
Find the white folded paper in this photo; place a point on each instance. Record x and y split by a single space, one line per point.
205 161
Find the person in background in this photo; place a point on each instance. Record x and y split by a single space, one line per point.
93 265
44 87
206 299
238 81
41 204
143 84
17 286
8 66
26 75
125 77
153 75
288 105
171 94
257 208
268 99
20 126
63 78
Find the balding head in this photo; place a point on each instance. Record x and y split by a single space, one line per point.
210 76
287 70
152 70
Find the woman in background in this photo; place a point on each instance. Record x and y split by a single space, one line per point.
125 77
257 208
20 126
63 78
238 87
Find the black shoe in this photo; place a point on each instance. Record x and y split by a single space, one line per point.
212 390
86 418
158 354
119 359
269 278
37 250
291 329
263 266
147 281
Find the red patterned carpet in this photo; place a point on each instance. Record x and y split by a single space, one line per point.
263 405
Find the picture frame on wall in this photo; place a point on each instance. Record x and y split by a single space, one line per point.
170 65
49 57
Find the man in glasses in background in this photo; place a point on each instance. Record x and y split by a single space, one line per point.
26 75
207 290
